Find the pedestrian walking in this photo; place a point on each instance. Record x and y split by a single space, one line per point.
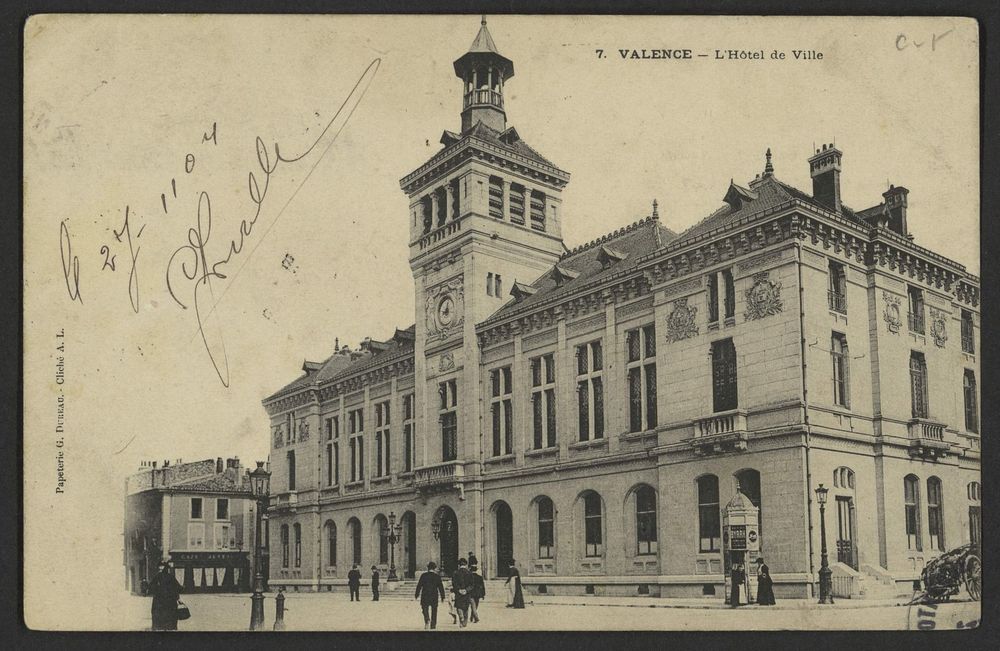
765 586
477 592
354 583
473 561
461 585
166 592
375 578
737 577
515 595
430 592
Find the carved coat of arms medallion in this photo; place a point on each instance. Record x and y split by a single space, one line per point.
763 298
682 322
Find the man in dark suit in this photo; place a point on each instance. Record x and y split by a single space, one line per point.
375 577
430 592
354 583
477 592
461 585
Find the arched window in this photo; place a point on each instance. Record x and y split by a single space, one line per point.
935 518
379 531
354 533
593 524
284 545
911 502
298 544
843 477
546 528
709 529
645 520
974 492
331 543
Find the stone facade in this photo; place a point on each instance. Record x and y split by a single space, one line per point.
753 348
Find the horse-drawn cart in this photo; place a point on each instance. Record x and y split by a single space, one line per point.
945 575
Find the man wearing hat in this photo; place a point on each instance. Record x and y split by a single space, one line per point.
165 591
461 585
477 592
375 578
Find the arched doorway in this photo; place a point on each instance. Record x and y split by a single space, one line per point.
447 539
409 523
504 530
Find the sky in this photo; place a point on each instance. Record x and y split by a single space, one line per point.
120 110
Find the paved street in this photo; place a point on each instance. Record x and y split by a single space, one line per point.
328 612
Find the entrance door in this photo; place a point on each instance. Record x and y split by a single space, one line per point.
410 545
505 538
846 550
448 538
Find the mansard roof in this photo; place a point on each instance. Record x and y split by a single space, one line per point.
345 362
585 265
507 139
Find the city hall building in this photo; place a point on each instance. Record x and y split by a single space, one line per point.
592 412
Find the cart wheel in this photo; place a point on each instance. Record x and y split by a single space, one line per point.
973 577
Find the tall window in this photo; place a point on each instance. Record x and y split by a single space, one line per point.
543 401
442 206
496 197
489 283
382 448
971 408
501 411
196 508
290 457
333 452
516 203
935 519
911 502
546 527
222 509
724 390
713 298
730 298
918 385
381 526
915 317
354 531
196 535
748 481
837 292
497 285
645 520
841 361
968 333
590 390
721 293
641 370
284 545
592 523
298 544
356 430
426 206
975 511
448 392
409 445
290 427
331 543
709 529
221 533
537 210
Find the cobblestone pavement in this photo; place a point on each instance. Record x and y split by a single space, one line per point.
330 612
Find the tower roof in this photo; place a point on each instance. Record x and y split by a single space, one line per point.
483 48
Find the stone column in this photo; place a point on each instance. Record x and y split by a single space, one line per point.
614 380
434 208
521 399
505 184
450 199
566 407
368 438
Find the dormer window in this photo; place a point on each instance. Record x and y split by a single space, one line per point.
562 275
520 291
609 256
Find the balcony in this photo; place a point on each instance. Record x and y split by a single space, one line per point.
480 96
926 438
915 321
440 477
722 432
837 301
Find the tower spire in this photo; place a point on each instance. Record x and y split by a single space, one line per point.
483 71
768 167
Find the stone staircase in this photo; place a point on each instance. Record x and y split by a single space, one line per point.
869 583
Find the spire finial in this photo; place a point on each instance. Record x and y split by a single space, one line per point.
656 210
484 20
768 167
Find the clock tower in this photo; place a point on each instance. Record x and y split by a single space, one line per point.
484 214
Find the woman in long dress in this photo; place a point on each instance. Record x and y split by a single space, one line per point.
765 590
165 591
736 577
515 597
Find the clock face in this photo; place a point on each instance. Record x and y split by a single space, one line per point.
446 311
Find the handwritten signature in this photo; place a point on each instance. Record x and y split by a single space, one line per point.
192 262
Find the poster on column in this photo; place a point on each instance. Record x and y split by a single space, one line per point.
514 303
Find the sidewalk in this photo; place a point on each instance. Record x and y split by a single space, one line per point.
714 604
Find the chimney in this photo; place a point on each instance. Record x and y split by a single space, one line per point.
824 167
218 465
895 203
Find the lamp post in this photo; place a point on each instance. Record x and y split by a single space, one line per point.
825 584
392 534
260 481
436 528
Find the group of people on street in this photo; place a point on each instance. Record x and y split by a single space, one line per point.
467 589
765 586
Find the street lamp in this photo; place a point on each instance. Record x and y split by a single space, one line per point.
260 485
825 584
436 528
391 533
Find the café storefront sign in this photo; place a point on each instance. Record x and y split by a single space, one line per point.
210 559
